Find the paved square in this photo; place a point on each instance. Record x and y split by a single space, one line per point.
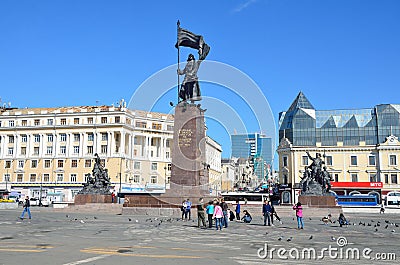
54 237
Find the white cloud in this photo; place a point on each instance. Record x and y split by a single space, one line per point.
243 6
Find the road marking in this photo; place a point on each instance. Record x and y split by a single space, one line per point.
112 252
87 260
20 250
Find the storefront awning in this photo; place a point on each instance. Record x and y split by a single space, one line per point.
357 185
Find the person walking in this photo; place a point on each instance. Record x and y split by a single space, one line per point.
237 210
200 213
266 211
210 213
299 215
27 206
224 207
188 209
274 213
218 215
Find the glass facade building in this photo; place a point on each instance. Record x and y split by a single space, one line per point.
256 146
302 125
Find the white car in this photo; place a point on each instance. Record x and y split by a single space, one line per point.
36 202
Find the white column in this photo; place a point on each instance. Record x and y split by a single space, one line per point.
82 144
110 144
122 143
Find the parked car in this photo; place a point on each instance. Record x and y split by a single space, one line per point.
36 202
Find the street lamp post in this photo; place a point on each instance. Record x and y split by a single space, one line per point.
165 178
120 184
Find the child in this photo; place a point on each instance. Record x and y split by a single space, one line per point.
299 215
246 217
231 215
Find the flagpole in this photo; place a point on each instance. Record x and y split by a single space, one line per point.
178 24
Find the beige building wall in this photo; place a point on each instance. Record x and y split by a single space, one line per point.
53 148
344 163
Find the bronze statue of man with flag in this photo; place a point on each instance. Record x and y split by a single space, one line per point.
190 89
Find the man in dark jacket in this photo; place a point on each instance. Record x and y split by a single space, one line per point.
267 209
27 205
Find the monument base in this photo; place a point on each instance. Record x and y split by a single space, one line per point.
318 201
92 198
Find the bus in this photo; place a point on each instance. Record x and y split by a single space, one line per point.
248 197
357 200
393 198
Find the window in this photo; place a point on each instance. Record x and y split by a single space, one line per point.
49 150
46 178
371 160
117 119
353 160
60 163
36 150
32 178
90 137
63 121
167 154
76 149
36 138
90 120
104 136
76 137
49 121
136 178
136 165
8 164
76 120
90 149
304 160
141 124
386 178
167 143
23 150
169 167
88 163
21 163
336 177
156 126
104 149
328 160
74 163
50 138
153 179
170 127
11 139
34 163
372 177
47 163
24 123
20 177
24 138
153 166
60 177
285 161
392 160
10 151
36 122
103 119
354 177
63 150
393 178
63 137
11 123
6 177
73 178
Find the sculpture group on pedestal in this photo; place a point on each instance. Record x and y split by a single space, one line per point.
316 179
99 183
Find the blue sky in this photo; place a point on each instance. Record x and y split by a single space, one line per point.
342 54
